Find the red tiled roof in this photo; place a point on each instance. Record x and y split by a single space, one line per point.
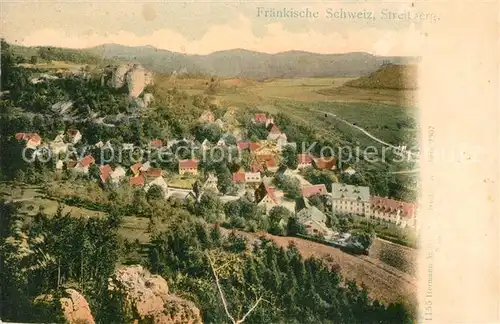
243 145
154 172
87 160
271 163
254 146
309 191
392 206
264 157
188 164
105 172
270 192
304 159
135 168
255 167
34 138
325 163
261 118
158 143
239 177
137 181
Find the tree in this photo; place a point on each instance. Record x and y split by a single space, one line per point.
290 157
320 177
155 192
224 179
140 203
210 132
13 77
209 206
296 290
319 201
344 225
290 185
293 227
20 176
364 238
229 139
223 298
278 214
245 160
232 209
256 131
94 172
33 59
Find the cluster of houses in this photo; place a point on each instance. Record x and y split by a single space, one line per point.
256 180
32 140
228 122
140 175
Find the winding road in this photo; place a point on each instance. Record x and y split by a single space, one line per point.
364 131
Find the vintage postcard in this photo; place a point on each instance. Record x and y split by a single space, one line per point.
248 162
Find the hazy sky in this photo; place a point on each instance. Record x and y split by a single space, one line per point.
204 27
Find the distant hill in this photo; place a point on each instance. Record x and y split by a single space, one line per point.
235 63
250 64
49 53
391 76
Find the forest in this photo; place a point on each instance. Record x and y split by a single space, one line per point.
44 254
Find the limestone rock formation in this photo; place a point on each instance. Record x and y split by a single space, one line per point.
144 297
71 308
148 78
136 81
134 76
75 308
119 76
148 99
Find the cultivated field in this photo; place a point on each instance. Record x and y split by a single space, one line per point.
398 256
388 114
301 89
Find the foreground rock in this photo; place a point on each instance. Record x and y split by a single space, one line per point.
71 308
75 308
144 297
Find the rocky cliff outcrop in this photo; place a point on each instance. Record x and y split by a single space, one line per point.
134 76
144 297
70 308
75 308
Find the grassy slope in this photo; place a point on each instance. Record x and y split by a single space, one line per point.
392 76
381 120
382 281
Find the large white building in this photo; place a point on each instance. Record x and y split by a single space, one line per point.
393 211
349 199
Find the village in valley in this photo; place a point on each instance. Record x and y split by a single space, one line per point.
256 179
115 174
